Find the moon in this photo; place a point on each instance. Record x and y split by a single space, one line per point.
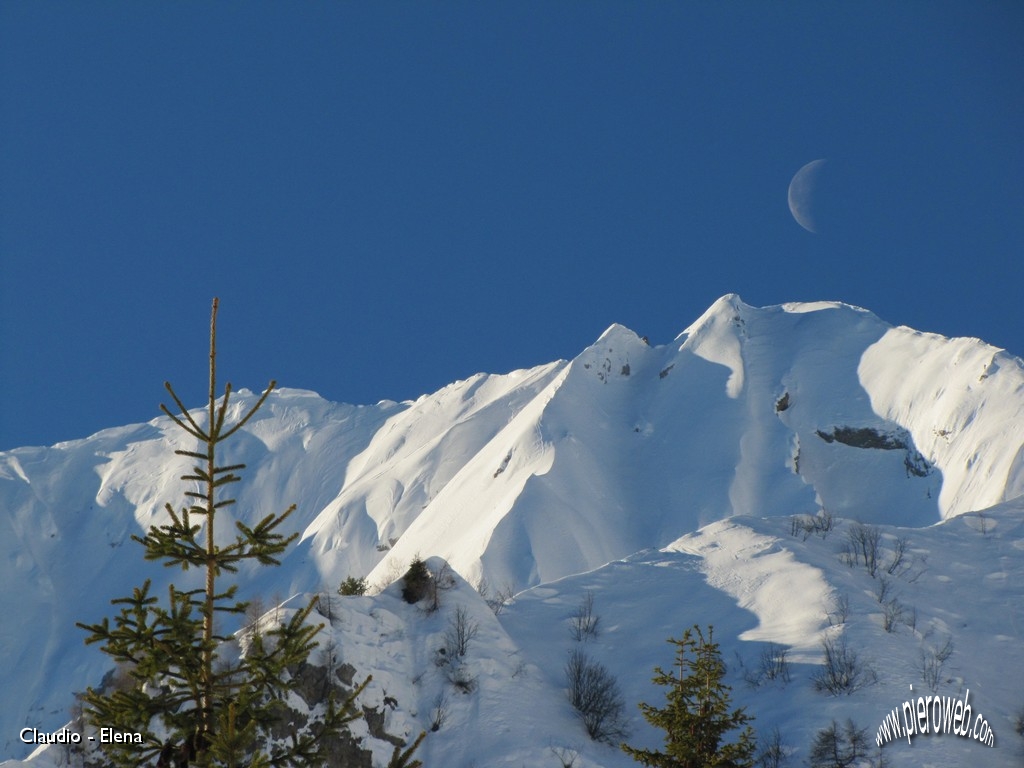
802 195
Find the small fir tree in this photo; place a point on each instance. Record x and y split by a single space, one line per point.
195 702
353 585
416 584
696 716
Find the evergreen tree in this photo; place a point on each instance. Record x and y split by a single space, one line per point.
696 716
194 701
353 585
400 758
417 582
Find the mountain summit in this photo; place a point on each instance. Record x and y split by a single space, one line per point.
749 411
521 479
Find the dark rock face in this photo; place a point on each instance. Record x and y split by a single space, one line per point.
871 438
863 437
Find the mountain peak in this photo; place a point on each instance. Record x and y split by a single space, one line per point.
616 332
725 311
526 478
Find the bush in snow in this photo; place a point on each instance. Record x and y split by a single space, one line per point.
773 752
901 560
594 694
839 746
439 711
932 660
461 631
843 671
840 611
892 612
862 545
565 756
499 599
820 524
584 623
774 666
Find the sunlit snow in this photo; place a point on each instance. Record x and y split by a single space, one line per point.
660 478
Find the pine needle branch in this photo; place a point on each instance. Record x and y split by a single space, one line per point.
241 423
192 427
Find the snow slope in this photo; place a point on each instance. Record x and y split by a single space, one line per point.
622 471
759 586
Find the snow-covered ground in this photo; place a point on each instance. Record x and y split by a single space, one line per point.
661 480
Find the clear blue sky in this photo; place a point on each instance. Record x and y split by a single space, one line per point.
391 196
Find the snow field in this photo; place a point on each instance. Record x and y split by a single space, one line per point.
662 479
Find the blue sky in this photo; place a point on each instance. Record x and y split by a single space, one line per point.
391 196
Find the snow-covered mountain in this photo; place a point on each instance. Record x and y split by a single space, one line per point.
661 479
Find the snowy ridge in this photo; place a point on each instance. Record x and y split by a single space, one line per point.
947 393
622 472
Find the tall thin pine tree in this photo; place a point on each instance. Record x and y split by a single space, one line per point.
194 702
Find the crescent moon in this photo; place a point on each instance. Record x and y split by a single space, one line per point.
802 194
